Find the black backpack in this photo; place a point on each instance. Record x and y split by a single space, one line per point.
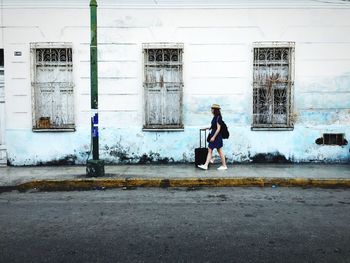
224 131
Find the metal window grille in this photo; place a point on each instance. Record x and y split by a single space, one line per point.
272 86
163 85
3 158
53 88
2 86
333 139
1 57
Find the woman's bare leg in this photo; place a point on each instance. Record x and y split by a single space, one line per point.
209 155
222 156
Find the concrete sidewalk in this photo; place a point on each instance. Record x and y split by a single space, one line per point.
73 177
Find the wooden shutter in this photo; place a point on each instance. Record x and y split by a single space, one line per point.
163 88
172 96
53 88
154 96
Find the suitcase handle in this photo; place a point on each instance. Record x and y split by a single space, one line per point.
200 136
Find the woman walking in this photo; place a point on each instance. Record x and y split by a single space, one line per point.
215 139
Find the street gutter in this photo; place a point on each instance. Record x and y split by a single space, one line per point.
126 183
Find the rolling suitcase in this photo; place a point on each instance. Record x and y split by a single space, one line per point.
200 154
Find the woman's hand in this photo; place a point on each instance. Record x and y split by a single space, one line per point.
212 139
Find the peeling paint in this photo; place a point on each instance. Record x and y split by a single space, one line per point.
126 146
67 160
275 157
216 70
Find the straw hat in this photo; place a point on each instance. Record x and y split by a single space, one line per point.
215 106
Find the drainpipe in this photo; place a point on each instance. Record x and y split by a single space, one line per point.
95 167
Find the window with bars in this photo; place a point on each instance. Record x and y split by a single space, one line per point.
53 98
3 156
163 85
332 139
1 57
2 87
272 85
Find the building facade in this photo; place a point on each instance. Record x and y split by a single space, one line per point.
279 69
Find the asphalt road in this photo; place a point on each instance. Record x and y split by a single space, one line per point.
177 225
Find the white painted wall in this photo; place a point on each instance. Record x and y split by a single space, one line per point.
3 155
217 69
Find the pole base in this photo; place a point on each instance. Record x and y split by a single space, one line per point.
95 168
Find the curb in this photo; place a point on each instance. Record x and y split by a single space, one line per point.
101 184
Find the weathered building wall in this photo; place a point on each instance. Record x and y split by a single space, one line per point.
3 155
218 66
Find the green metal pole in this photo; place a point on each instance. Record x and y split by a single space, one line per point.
93 79
95 167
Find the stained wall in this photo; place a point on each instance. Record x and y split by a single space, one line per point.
218 67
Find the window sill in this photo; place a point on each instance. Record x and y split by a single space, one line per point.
54 130
163 129
272 128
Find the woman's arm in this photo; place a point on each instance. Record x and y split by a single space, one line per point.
218 128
